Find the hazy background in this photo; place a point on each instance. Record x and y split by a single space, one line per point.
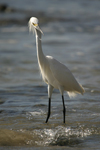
71 35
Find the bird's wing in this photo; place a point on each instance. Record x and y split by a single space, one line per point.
64 76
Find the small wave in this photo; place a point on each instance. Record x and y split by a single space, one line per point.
95 114
59 136
30 115
14 138
35 113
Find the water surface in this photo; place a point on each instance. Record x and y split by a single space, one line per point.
72 36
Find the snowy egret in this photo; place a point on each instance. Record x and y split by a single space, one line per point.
54 73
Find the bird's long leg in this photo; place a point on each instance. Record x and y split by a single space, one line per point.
49 109
50 89
64 109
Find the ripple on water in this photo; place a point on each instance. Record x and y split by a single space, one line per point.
58 136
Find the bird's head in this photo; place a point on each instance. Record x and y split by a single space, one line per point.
33 24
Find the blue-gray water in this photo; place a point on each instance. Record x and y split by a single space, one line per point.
71 35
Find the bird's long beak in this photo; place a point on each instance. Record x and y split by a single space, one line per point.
37 27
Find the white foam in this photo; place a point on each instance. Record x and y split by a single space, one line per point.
35 113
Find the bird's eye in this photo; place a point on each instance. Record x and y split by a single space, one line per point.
34 24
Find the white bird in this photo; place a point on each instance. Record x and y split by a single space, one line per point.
54 73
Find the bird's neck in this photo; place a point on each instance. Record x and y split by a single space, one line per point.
40 54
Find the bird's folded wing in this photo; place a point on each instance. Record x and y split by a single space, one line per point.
64 76
61 73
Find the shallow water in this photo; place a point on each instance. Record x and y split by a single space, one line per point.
71 35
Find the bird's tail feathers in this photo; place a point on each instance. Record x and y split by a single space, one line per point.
73 93
81 89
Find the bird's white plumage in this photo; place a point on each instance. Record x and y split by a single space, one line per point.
54 73
64 77
32 20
